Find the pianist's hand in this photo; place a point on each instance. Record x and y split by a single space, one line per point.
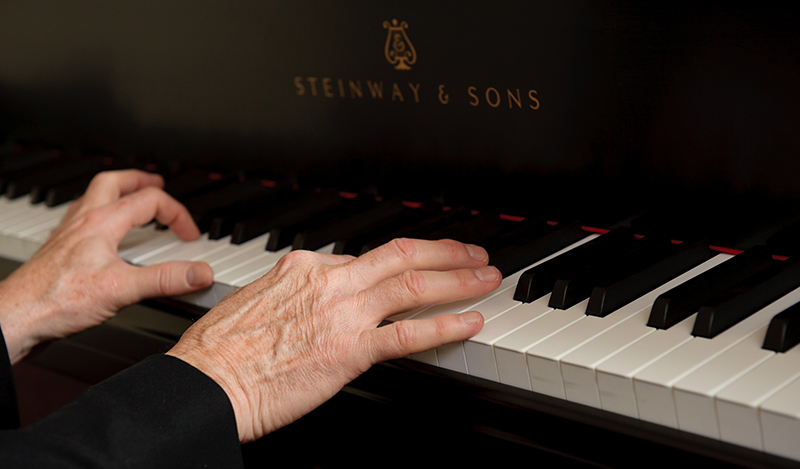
77 280
286 343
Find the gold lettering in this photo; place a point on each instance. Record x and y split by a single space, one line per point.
444 98
415 90
516 99
497 97
326 87
313 82
396 92
355 88
535 104
341 87
375 89
471 91
298 83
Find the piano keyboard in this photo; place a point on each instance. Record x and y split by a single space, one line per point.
726 387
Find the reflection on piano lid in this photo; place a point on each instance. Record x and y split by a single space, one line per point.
678 338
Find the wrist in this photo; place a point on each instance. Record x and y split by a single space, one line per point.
23 321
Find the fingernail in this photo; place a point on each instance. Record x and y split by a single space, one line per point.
487 274
470 318
195 276
476 252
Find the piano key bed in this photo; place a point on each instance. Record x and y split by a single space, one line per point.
613 327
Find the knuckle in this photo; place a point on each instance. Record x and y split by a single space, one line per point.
405 248
414 283
405 335
163 279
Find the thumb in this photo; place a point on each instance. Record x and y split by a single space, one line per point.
169 279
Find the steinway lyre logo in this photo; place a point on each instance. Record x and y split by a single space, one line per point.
398 50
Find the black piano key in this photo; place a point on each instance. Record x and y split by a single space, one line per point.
204 207
746 298
283 234
539 280
258 205
572 289
300 209
23 164
607 298
422 229
346 226
194 182
524 252
679 303
409 216
51 176
475 229
783 332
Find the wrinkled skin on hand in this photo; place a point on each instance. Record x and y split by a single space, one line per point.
289 341
77 280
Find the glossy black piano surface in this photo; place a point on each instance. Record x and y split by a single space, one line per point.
671 119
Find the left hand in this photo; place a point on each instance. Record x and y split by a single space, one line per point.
77 280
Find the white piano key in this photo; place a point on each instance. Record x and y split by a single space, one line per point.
216 256
654 385
479 350
153 247
510 351
136 237
453 356
615 375
578 366
252 264
780 422
47 215
737 404
183 252
150 239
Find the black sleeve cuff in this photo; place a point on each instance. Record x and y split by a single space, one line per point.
162 412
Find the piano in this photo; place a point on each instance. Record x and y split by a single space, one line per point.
630 167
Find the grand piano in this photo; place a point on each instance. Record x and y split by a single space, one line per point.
642 156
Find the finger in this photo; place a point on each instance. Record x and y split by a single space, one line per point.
147 204
413 289
402 254
403 338
109 186
167 279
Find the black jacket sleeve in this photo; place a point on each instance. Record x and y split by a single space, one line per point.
161 412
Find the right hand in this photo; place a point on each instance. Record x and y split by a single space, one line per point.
289 341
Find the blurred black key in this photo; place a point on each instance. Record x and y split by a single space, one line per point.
409 216
474 229
572 289
194 182
346 225
204 207
283 234
608 297
679 303
290 213
51 176
539 280
746 298
783 332
260 204
542 241
23 164
422 229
